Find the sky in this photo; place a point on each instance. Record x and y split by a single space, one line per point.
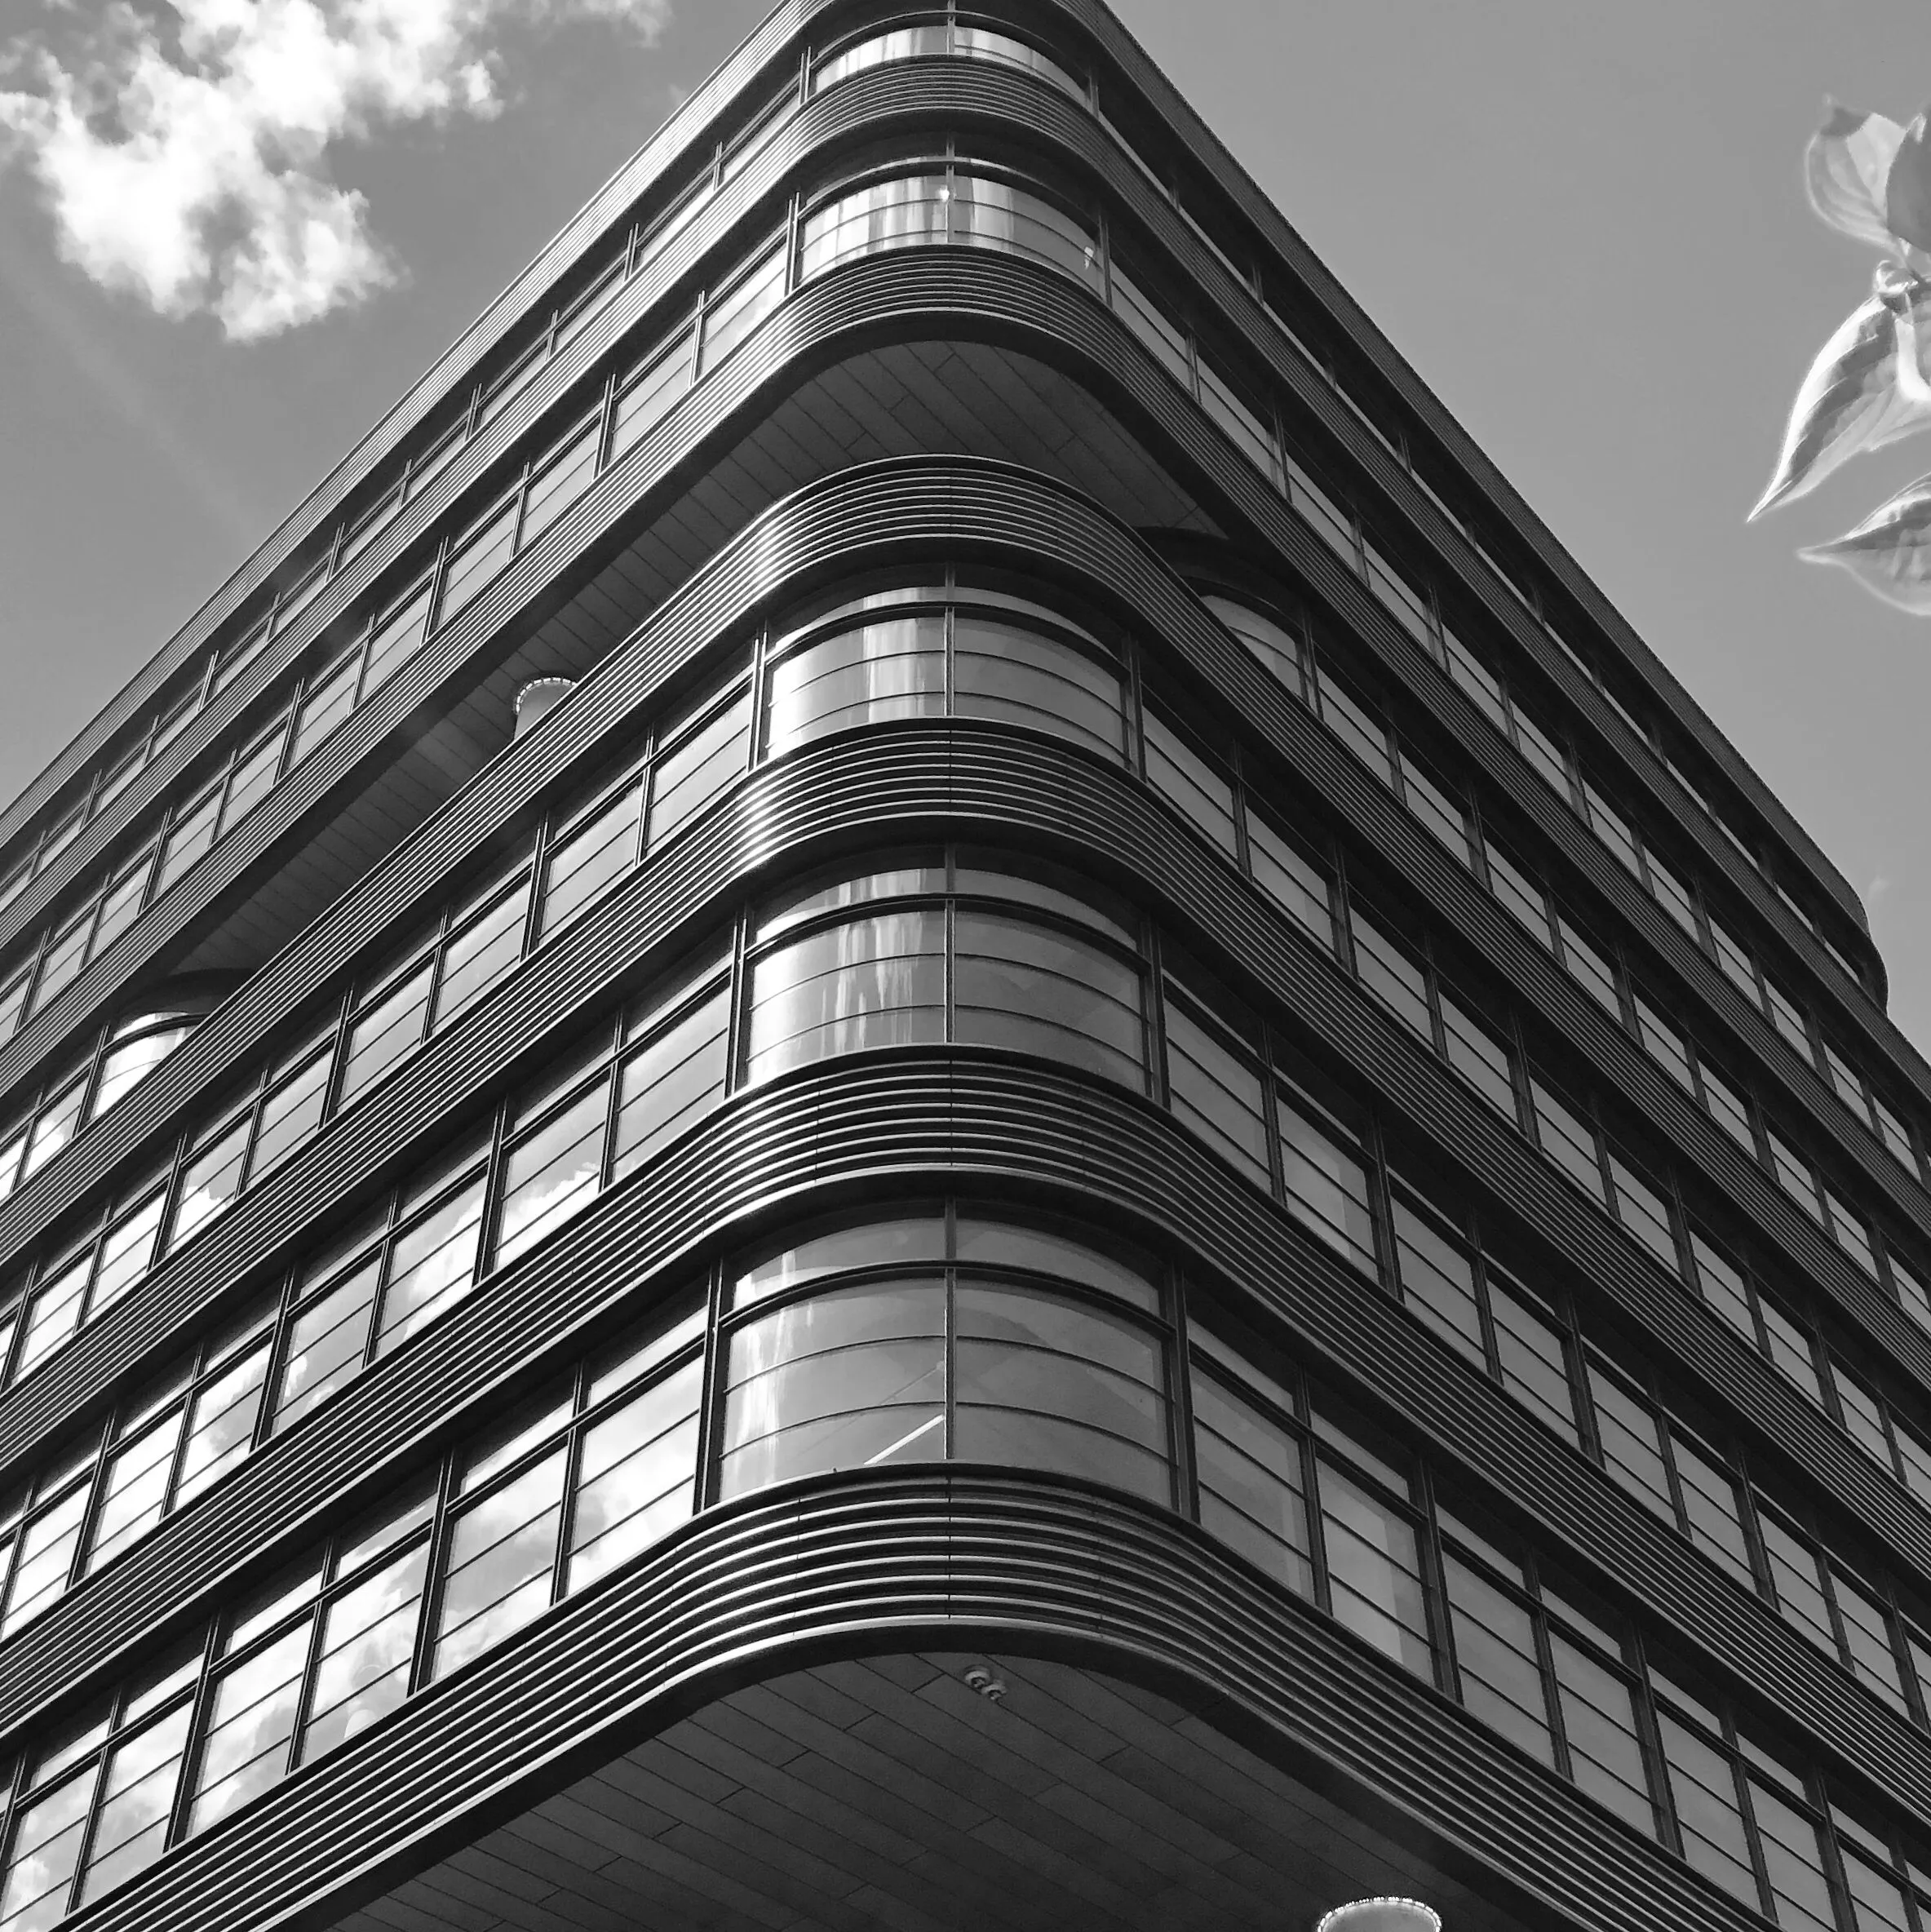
1583 225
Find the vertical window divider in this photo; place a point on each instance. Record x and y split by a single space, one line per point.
1179 1396
573 1464
440 1525
949 1344
711 1389
737 996
1154 1016
199 1702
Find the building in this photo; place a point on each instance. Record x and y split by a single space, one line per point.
1116 1179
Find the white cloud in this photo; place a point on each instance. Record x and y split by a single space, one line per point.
186 159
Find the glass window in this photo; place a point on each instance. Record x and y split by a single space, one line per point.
1435 807
1357 728
894 668
476 557
1295 883
1437 1277
695 768
1252 1495
1190 782
1709 1816
1530 1355
388 1028
1278 649
1399 982
1632 1440
1590 968
1567 1139
1218 1092
1477 1055
592 855
878 982
1496 1659
501 1563
1374 1569
1005 672
1028 988
1326 1182
1604 1750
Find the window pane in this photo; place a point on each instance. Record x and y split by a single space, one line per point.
1020 678
1710 1503
1494 1648
1278 649
1032 991
1477 1055
327 1344
481 953
290 1114
586 861
1799 1583
1295 884
677 1077
559 481
871 982
651 393
368 1639
1364 733
501 1552
1326 1187
1707 1813
397 637
1568 1140
1218 1094
638 1480
331 697
1438 1281
1631 1443
1249 1469
688 777
1605 1756
212 1180
1396 980
1534 1369
1201 794
731 316
1643 1211
432 1265
221 1423
1793 1861
1867 1638
190 833
43 1856
846 1379
557 1170
870 675
1046 1384
251 1722
134 1492
385 1031
137 1793
45 1558
1374 1573
476 559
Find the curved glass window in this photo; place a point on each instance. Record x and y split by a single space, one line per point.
972 655
938 40
947 206
920 1339
958 956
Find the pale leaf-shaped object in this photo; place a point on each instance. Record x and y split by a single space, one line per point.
1907 188
1846 169
1852 399
1889 552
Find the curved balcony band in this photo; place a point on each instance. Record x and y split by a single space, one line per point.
712 100
791 1140
1573 1016
873 100
880 1563
968 506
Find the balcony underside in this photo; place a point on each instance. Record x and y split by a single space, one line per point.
888 1792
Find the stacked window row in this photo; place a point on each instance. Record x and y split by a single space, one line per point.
1595 967
963 1332
893 653
1251 264
892 213
1251 425
920 651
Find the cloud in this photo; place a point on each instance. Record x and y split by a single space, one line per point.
185 159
